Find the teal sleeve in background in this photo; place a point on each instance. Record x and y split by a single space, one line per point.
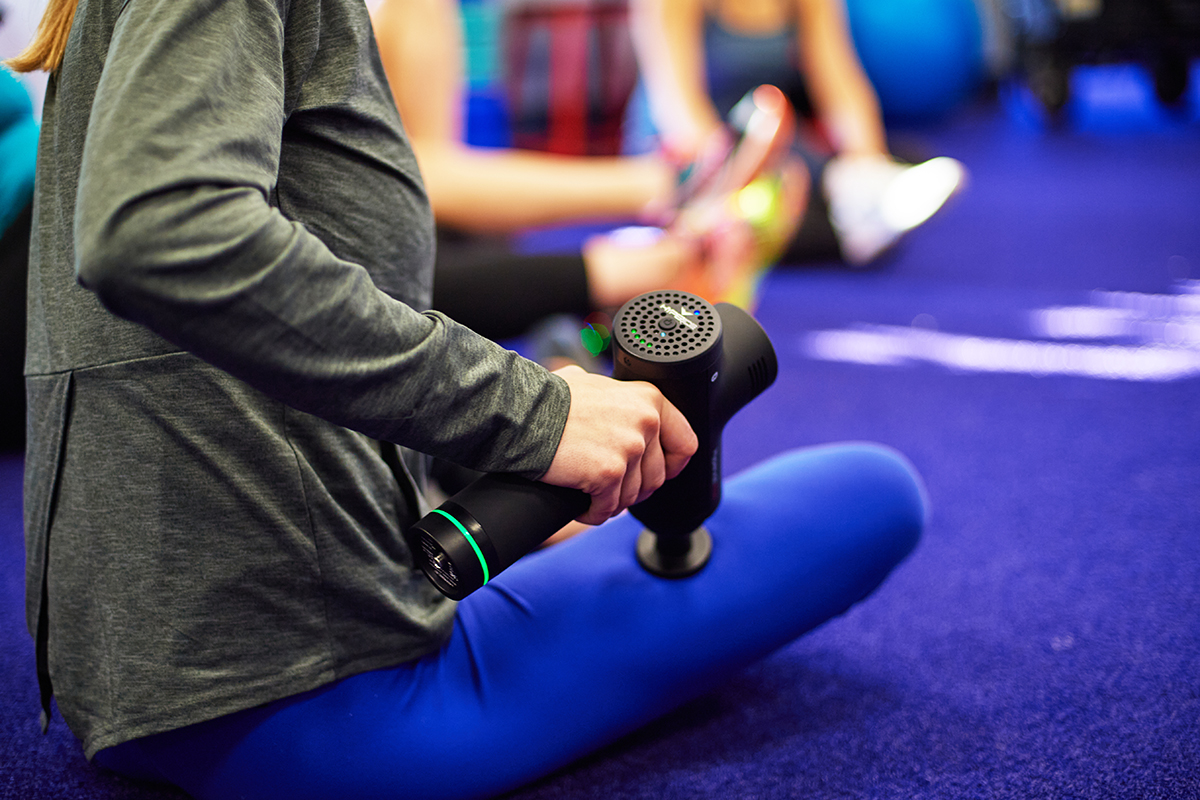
18 148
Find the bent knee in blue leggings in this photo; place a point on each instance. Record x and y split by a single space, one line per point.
576 645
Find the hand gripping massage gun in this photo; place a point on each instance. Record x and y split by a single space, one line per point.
709 361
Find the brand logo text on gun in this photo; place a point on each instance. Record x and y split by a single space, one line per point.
677 315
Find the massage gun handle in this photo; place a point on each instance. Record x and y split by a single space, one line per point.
519 514
483 529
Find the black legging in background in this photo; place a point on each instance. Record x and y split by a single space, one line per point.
14 266
485 284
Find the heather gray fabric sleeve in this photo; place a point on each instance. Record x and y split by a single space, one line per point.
176 229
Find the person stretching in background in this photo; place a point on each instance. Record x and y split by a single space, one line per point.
698 57
479 192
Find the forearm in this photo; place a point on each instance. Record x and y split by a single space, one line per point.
503 190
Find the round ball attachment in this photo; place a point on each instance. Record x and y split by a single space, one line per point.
674 556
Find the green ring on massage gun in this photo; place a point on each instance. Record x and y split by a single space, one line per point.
470 541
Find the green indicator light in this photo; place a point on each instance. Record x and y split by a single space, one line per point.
470 541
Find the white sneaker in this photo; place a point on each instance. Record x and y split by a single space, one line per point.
874 200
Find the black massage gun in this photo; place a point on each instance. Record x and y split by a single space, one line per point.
709 361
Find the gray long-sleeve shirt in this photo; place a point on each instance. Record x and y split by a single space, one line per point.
232 250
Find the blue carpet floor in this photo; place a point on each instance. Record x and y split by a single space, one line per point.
1035 350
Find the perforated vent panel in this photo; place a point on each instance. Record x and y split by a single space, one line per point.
667 326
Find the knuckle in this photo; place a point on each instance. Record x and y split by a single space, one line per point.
650 426
628 448
611 471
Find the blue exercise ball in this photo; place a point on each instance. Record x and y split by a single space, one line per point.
924 57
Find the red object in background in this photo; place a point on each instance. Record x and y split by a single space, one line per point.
569 72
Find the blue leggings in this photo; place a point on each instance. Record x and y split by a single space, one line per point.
569 649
